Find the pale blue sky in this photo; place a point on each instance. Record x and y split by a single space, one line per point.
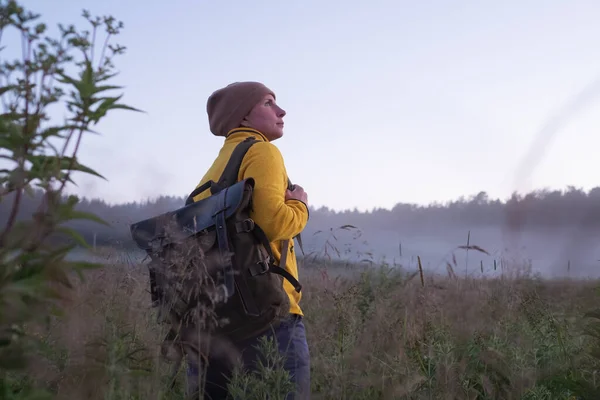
395 101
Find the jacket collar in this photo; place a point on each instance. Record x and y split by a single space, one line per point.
244 132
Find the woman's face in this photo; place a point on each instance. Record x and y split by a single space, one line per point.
267 118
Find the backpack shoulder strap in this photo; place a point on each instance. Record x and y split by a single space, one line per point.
230 173
232 169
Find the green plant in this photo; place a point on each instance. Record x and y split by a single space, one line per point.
583 380
70 71
269 380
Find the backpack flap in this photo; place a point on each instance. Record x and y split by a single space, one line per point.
176 226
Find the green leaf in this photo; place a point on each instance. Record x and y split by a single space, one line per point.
53 164
29 287
103 108
106 87
5 89
66 79
58 273
75 235
104 77
82 168
60 253
29 274
126 107
110 103
89 216
54 131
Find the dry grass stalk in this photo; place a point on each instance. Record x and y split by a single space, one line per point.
374 333
421 271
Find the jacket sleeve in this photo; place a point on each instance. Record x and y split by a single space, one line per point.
279 219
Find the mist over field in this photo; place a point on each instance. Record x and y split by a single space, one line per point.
548 253
554 233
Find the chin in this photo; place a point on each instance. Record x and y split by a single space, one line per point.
276 134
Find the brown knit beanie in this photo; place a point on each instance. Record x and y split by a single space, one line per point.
228 106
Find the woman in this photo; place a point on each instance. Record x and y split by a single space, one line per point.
237 111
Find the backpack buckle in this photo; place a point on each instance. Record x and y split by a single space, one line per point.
246 225
259 268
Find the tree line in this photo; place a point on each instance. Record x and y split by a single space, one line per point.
537 210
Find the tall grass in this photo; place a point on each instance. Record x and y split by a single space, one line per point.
374 333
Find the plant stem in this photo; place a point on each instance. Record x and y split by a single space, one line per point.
12 217
26 47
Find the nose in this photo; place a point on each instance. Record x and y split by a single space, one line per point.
280 112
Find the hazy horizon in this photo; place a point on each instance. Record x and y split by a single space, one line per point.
556 234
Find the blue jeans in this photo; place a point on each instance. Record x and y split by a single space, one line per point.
290 337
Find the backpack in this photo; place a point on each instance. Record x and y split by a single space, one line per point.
212 271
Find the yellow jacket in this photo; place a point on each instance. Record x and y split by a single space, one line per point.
279 219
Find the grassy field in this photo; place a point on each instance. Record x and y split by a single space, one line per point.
374 333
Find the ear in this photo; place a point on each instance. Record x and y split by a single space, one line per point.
244 123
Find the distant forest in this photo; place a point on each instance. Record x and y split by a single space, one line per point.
538 210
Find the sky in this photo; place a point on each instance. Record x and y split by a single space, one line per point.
386 101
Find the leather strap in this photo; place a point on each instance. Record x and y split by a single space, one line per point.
285 244
223 240
299 239
280 270
230 173
232 169
197 191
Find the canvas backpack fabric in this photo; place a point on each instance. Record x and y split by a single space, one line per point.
212 272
